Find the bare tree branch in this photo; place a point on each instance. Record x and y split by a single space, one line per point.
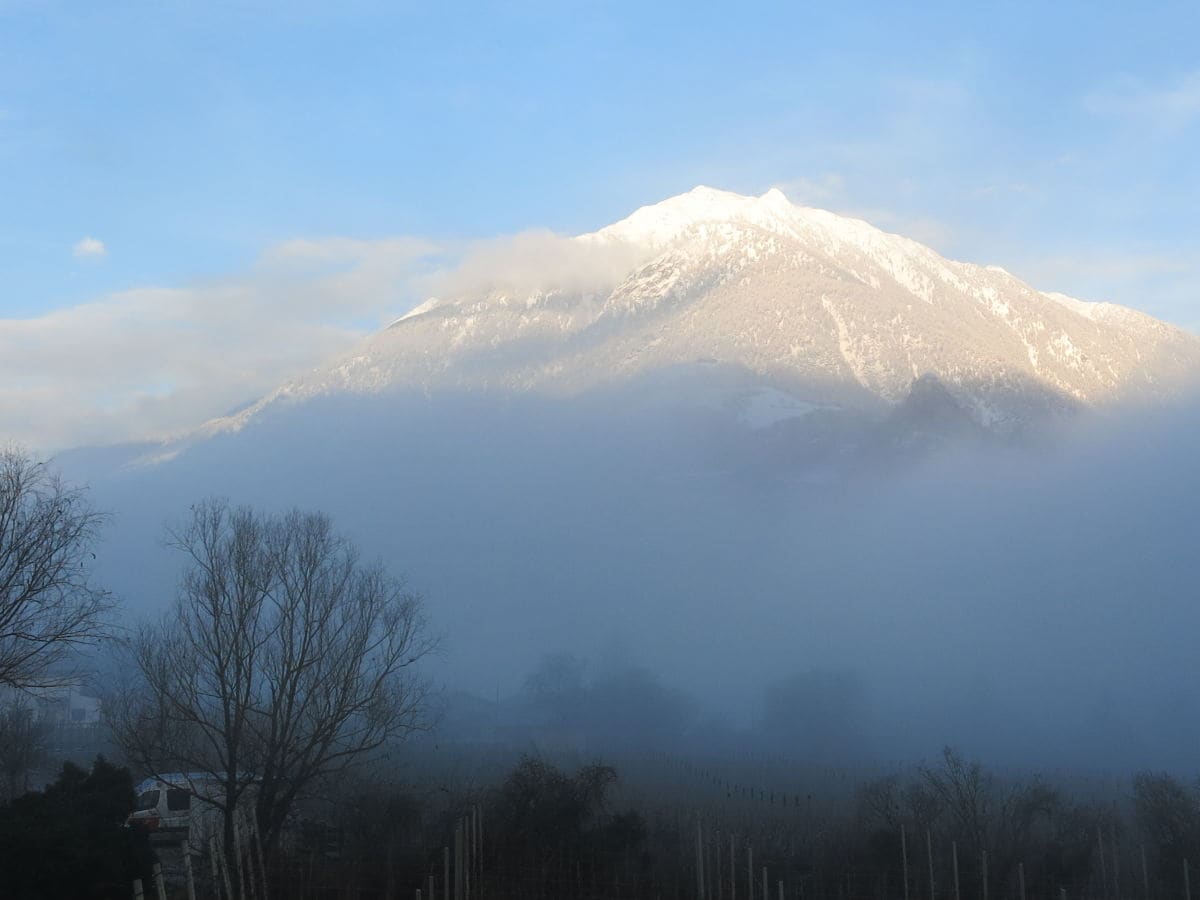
283 660
47 607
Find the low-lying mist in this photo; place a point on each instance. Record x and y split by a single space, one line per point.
1031 604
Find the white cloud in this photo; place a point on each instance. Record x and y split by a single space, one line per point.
535 261
143 364
89 248
150 363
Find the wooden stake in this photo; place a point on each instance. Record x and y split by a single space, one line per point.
1103 867
446 873
954 855
766 895
750 872
187 874
1116 861
929 855
477 820
699 860
262 859
1021 878
732 869
239 853
904 859
985 884
718 881
248 855
1187 882
1145 876
224 863
458 861
706 857
212 856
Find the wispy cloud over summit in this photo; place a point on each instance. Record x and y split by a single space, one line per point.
147 362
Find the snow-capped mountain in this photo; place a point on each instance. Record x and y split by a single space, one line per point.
818 309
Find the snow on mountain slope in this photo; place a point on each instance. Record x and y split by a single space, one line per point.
828 309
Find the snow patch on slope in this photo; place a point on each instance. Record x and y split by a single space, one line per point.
767 406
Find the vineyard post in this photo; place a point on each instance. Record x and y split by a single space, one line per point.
1116 861
732 869
1103 866
224 863
187 874
458 860
929 856
212 857
717 881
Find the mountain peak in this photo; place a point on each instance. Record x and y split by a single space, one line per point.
665 223
775 196
825 308
667 220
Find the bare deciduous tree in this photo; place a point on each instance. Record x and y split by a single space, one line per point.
1168 811
47 607
968 793
1005 819
283 660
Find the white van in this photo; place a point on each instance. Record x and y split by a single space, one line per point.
170 810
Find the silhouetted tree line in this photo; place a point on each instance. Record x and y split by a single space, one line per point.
69 840
548 831
551 827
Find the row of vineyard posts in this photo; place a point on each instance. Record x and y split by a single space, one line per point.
247 875
723 861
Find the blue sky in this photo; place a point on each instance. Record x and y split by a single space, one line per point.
191 141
